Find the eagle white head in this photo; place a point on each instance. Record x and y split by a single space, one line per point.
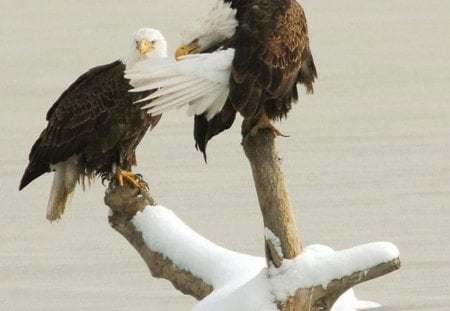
147 43
218 25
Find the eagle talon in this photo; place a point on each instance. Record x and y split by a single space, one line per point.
269 126
143 184
140 180
139 176
283 135
264 123
104 179
135 180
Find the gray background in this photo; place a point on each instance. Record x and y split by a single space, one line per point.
367 158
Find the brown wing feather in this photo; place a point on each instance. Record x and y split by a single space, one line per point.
271 55
270 45
84 119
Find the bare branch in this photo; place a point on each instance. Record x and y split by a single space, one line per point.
278 217
125 203
322 299
272 194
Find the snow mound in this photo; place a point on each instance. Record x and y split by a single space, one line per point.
243 282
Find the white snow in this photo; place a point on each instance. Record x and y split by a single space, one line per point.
319 265
270 236
242 282
348 302
165 233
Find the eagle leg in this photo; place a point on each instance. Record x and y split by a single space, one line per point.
264 122
135 181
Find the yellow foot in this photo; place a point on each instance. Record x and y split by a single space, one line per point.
264 123
134 180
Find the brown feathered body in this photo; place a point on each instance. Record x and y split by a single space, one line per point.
272 55
92 128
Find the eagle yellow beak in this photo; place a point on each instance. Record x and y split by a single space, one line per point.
144 46
184 49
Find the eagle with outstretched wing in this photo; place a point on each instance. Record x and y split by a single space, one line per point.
94 127
250 57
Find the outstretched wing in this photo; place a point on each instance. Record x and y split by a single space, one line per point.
271 42
199 81
77 113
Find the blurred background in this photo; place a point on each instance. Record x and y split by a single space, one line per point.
368 157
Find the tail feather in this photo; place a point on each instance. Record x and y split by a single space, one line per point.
67 174
308 72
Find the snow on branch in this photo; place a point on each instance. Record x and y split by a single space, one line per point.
279 222
166 234
227 280
124 203
317 274
171 249
318 265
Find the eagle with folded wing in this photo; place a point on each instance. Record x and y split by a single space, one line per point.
94 128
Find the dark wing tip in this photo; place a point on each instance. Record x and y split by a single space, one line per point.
24 181
204 130
202 148
29 175
200 134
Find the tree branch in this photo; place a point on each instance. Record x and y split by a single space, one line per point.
281 237
125 202
278 217
322 299
272 194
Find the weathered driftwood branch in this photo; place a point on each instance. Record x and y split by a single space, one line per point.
272 195
274 203
322 299
125 202
278 217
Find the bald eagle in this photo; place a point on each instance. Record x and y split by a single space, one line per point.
255 52
93 127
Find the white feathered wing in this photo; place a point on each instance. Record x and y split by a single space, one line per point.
197 80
